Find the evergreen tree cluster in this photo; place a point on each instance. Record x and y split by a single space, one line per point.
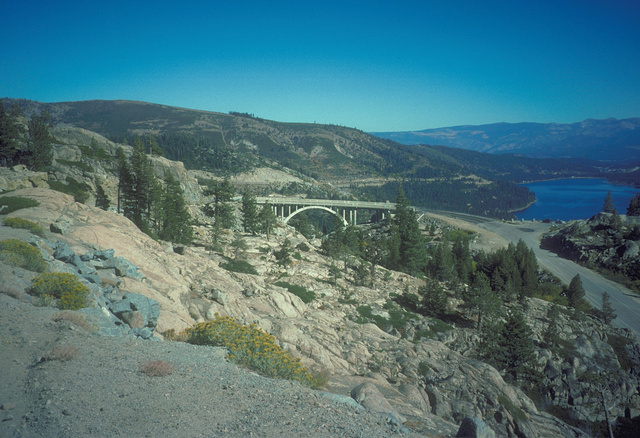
31 147
156 209
496 199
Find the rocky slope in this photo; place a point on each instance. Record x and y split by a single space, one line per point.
604 241
431 385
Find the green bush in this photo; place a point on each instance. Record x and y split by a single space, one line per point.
18 222
9 204
251 347
79 191
619 345
301 292
240 266
19 253
71 294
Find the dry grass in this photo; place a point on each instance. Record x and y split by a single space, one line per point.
61 353
156 368
12 292
171 335
75 318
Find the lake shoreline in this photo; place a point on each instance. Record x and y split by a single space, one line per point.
568 199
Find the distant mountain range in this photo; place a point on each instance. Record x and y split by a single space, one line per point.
604 140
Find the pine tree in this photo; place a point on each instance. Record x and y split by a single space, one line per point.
515 352
102 201
10 132
283 255
335 273
239 245
462 258
222 210
634 206
125 183
250 220
482 300
608 206
174 222
144 187
575 292
302 223
527 268
607 312
39 150
551 333
441 264
434 298
413 255
267 219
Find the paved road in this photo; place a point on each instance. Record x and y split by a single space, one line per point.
625 302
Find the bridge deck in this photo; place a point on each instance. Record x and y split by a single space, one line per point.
389 206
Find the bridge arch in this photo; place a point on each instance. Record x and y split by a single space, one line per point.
317 207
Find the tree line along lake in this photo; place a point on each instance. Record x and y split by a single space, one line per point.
571 199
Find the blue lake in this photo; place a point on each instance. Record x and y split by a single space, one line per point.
570 199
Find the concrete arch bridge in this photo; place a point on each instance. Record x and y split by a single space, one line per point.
347 211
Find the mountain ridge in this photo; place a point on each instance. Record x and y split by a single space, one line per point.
608 139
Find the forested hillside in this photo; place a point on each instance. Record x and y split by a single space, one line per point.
361 164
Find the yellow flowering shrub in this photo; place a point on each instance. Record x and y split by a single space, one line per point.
71 294
250 346
19 253
18 222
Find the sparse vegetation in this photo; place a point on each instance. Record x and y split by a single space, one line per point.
251 347
301 292
79 190
156 368
65 287
18 222
20 254
61 353
9 204
75 318
240 266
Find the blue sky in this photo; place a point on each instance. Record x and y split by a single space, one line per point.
373 65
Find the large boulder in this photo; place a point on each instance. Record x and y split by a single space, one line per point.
473 427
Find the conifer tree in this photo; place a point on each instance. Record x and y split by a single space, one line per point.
482 300
102 201
283 255
551 333
441 264
515 352
249 212
267 219
302 223
239 245
39 150
607 312
575 292
392 259
222 210
125 183
174 218
462 258
608 206
434 298
527 269
145 189
10 132
634 206
413 255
